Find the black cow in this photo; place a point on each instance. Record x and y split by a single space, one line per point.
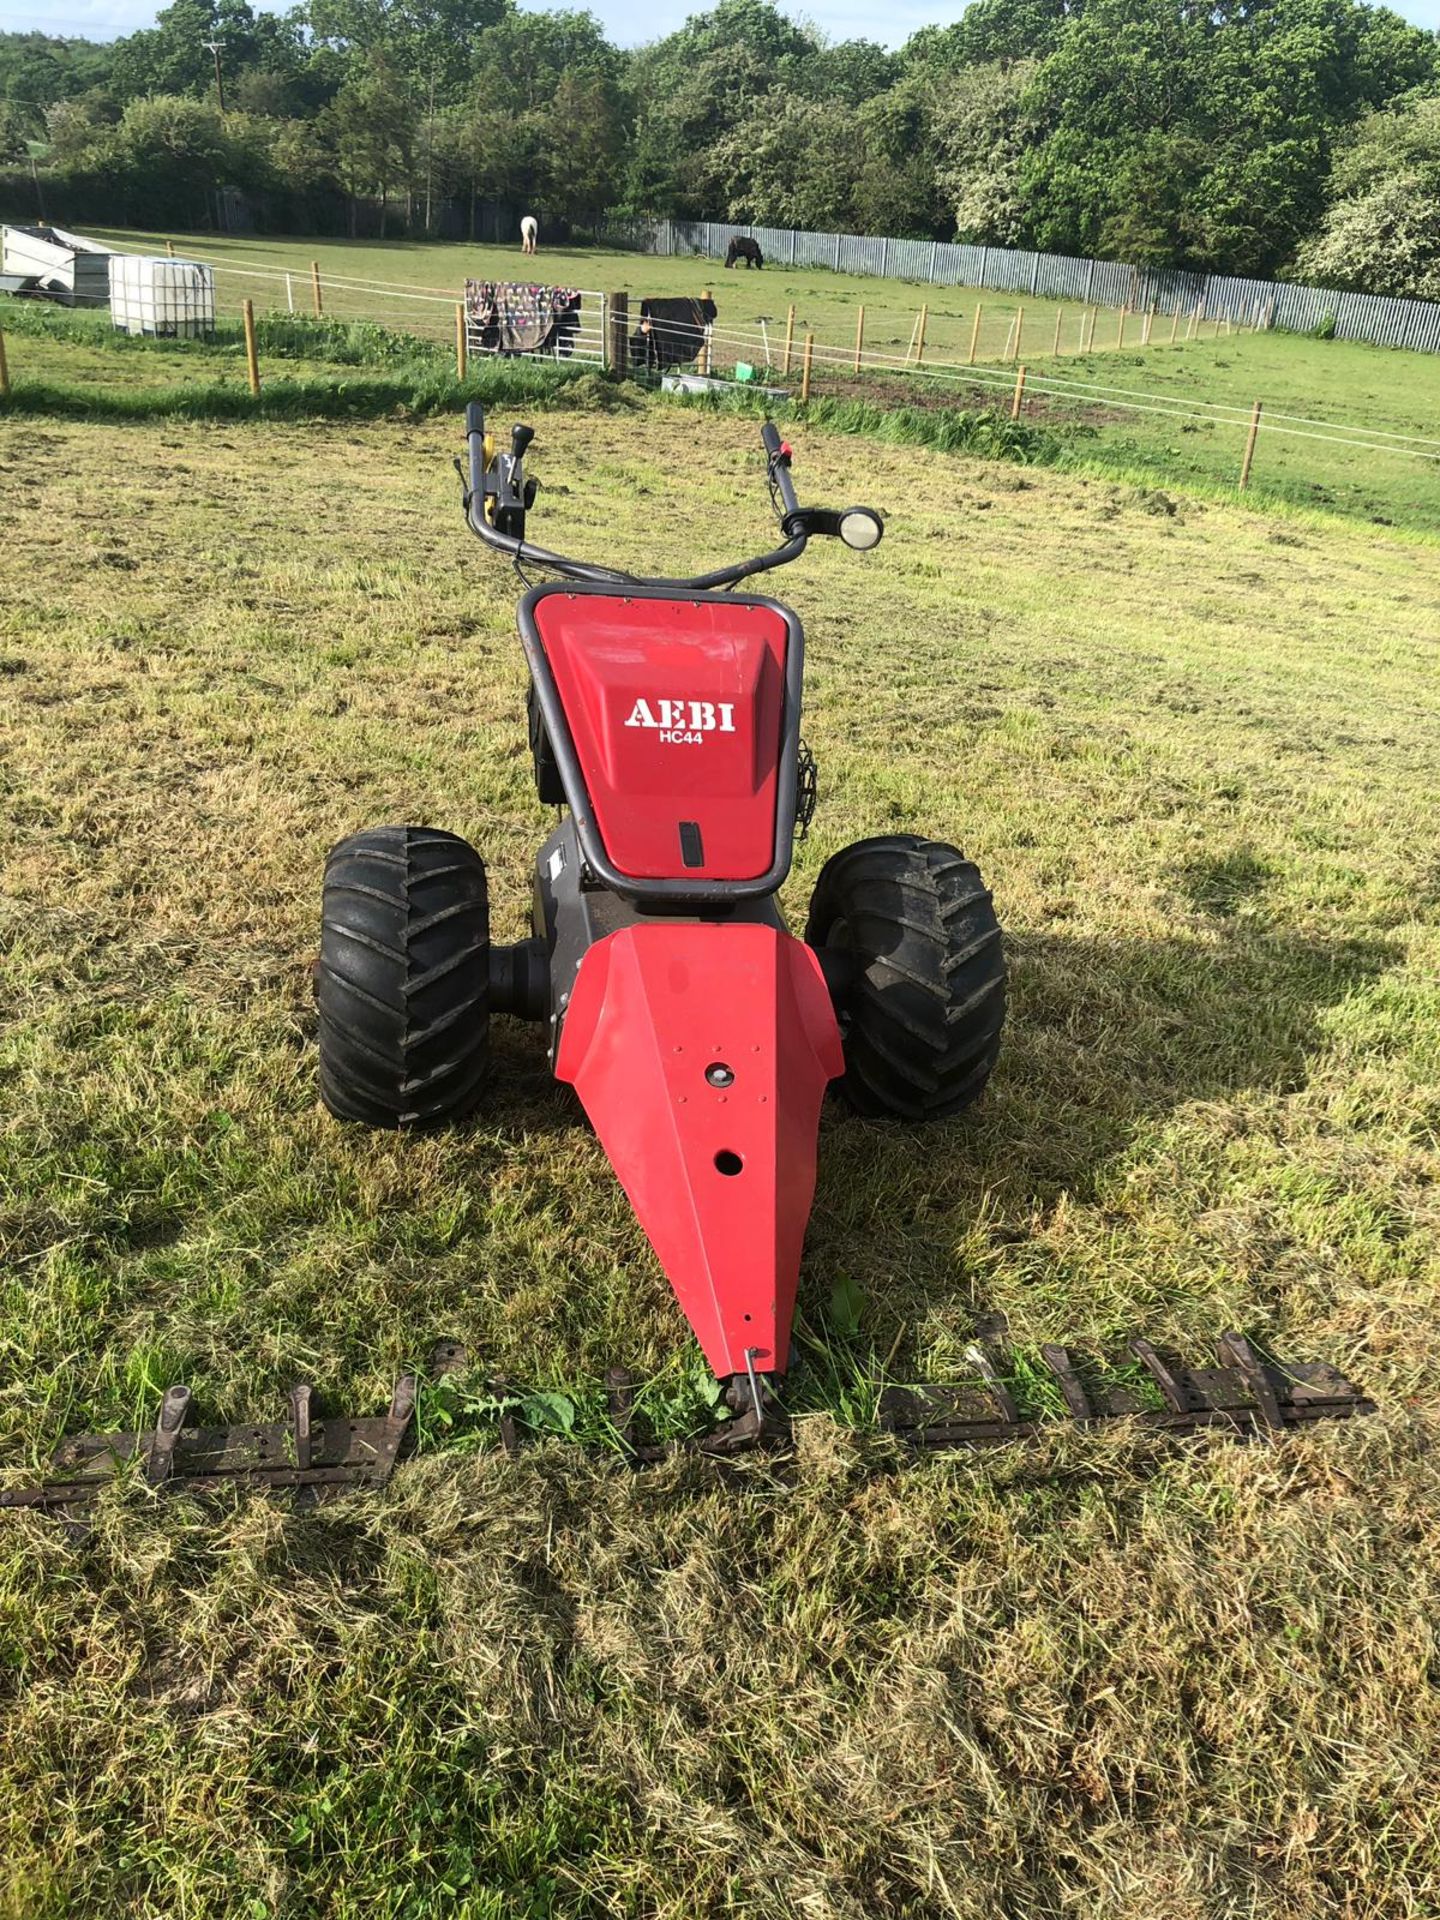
741 248
670 334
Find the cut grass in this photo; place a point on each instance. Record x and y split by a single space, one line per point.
1194 751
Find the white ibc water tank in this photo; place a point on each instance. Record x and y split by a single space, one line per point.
154 294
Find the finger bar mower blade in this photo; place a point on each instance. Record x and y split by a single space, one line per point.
701 1054
302 1452
1245 1396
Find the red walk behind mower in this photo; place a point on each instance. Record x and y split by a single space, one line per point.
698 1032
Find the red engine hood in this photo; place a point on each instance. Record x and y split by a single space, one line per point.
677 710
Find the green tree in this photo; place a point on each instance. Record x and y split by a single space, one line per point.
1382 234
172 57
897 188
792 164
429 41
81 136
852 72
983 130
38 70
695 89
370 128
579 145
1203 138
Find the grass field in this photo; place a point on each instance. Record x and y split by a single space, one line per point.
1331 407
1194 748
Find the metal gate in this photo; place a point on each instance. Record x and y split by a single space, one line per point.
576 334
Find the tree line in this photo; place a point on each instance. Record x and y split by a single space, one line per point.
1239 136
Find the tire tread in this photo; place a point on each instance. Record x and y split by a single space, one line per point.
403 978
924 1021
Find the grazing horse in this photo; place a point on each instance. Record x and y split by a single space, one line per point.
529 233
741 248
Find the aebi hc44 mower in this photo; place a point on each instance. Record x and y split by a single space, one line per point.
699 1033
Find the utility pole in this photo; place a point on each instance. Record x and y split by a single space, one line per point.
430 152
215 46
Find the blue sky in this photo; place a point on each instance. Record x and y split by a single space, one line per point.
625 21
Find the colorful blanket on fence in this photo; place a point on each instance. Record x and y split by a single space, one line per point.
514 318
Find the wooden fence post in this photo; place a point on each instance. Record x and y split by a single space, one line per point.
462 345
252 358
170 248
1059 318
789 340
1191 322
315 289
4 371
1120 328
805 371
859 337
920 342
1019 328
1092 314
1015 404
1174 324
975 334
706 293
1149 323
1250 440
617 334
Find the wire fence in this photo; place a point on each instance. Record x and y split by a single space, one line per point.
577 332
1374 318
1011 363
427 313
726 347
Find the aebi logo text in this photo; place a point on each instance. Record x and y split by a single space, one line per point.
683 723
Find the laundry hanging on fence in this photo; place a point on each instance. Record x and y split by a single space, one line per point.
508 317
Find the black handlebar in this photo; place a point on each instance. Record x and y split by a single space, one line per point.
505 489
777 456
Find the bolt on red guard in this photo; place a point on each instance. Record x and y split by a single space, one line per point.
701 1054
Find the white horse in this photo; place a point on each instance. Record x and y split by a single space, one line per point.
529 233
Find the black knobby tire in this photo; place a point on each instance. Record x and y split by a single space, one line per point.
404 978
924 1000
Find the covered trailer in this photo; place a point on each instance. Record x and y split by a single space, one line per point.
153 294
57 263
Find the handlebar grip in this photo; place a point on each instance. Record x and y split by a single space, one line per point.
475 443
779 462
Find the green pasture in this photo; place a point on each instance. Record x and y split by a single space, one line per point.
1192 745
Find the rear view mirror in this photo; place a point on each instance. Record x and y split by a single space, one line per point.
861 528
